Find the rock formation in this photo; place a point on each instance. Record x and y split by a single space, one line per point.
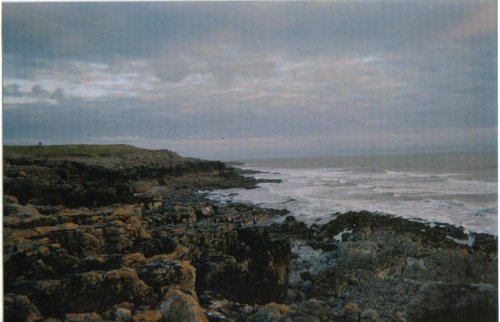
127 235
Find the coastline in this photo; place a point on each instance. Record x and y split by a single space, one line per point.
434 192
128 236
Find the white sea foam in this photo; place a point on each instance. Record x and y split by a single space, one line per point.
464 198
469 241
338 237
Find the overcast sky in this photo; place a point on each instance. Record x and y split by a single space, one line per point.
239 80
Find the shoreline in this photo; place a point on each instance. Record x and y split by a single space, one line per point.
150 247
433 197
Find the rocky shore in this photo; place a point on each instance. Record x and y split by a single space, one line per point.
116 233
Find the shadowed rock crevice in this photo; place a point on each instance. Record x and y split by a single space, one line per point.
255 270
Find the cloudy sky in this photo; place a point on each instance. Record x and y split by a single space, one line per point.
252 79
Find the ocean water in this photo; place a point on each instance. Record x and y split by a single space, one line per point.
459 189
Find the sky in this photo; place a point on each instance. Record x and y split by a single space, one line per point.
240 80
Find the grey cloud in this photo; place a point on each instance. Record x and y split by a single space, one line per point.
147 29
173 70
38 91
37 94
11 90
58 94
283 75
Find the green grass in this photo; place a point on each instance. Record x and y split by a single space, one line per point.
88 150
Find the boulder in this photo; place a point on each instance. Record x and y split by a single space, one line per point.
122 314
180 307
206 211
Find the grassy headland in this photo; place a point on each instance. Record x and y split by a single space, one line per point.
71 149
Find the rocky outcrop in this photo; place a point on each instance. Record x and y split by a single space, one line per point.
135 253
89 176
102 257
454 302
130 238
368 267
399 270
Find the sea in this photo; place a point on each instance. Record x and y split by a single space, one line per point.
454 188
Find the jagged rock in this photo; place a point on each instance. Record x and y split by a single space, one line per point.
19 308
256 272
36 259
292 229
454 302
207 211
119 237
92 291
80 216
218 308
162 273
80 241
268 263
179 307
435 237
221 273
454 266
19 216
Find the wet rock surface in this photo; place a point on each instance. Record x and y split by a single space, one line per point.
130 237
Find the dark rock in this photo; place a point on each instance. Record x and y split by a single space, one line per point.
19 308
486 243
18 216
268 263
435 237
90 292
161 273
291 229
256 271
454 302
206 211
